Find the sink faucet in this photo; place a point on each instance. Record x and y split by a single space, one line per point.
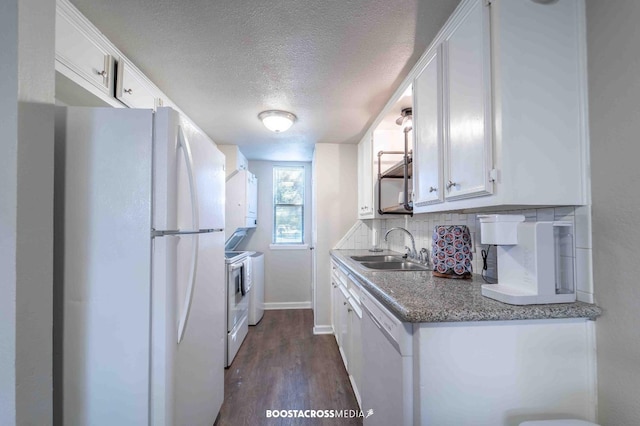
412 251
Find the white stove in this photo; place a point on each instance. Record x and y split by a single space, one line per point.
234 256
237 291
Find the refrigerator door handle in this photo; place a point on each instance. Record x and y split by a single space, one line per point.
170 232
188 159
186 308
195 223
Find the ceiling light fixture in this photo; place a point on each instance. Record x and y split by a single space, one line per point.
406 120
277 121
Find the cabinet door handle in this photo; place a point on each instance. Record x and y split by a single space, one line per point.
102 73
451 185
344 303
349 310
432 189
129 91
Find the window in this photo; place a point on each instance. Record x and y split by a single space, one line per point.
288 205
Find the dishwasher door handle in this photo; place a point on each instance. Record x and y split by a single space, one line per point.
375 320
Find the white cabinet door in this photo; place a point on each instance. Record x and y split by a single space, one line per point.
355 351
131 89
343 325
365 179
468 100
78 53
252 196
335 299
427 123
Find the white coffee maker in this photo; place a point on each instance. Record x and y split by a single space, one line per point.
535 260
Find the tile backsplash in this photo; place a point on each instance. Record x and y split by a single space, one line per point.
361 235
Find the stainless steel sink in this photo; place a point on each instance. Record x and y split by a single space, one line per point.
378 258
395 266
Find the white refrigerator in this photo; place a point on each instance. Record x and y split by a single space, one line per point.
139 203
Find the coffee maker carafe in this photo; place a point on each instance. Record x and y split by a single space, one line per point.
536 263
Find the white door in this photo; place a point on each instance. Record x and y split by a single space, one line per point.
209 174
252 196
200 301
343 300
199 370
427 123
188 378
131 89
365 178
103 189
468 96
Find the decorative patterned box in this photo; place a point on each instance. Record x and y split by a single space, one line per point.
451 251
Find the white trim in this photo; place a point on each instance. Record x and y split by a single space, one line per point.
585 138
584 297
286 305
592 359
356 391
322 329
288 246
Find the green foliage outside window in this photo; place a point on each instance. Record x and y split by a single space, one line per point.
288 205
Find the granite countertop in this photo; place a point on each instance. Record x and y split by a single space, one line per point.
420 297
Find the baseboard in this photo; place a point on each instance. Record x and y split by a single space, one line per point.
322 329
356 391
287 305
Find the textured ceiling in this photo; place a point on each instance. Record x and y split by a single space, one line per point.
332 63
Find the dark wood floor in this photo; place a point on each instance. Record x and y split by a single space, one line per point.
283 366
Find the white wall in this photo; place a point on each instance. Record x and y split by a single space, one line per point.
26 210
336 204
613 40
287 272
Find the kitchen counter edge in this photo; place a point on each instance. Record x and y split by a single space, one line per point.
418 297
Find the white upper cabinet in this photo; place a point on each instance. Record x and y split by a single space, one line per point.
513 130
91 71
241 205
428 149
468 103
132 89
365 179
80 54
252 196
235 159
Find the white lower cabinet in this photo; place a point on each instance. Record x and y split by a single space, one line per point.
497 373
347 325
355 347
502 373
343 325
335 299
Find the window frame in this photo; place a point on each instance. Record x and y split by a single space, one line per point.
294 244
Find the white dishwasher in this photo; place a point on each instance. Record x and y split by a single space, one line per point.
387 382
